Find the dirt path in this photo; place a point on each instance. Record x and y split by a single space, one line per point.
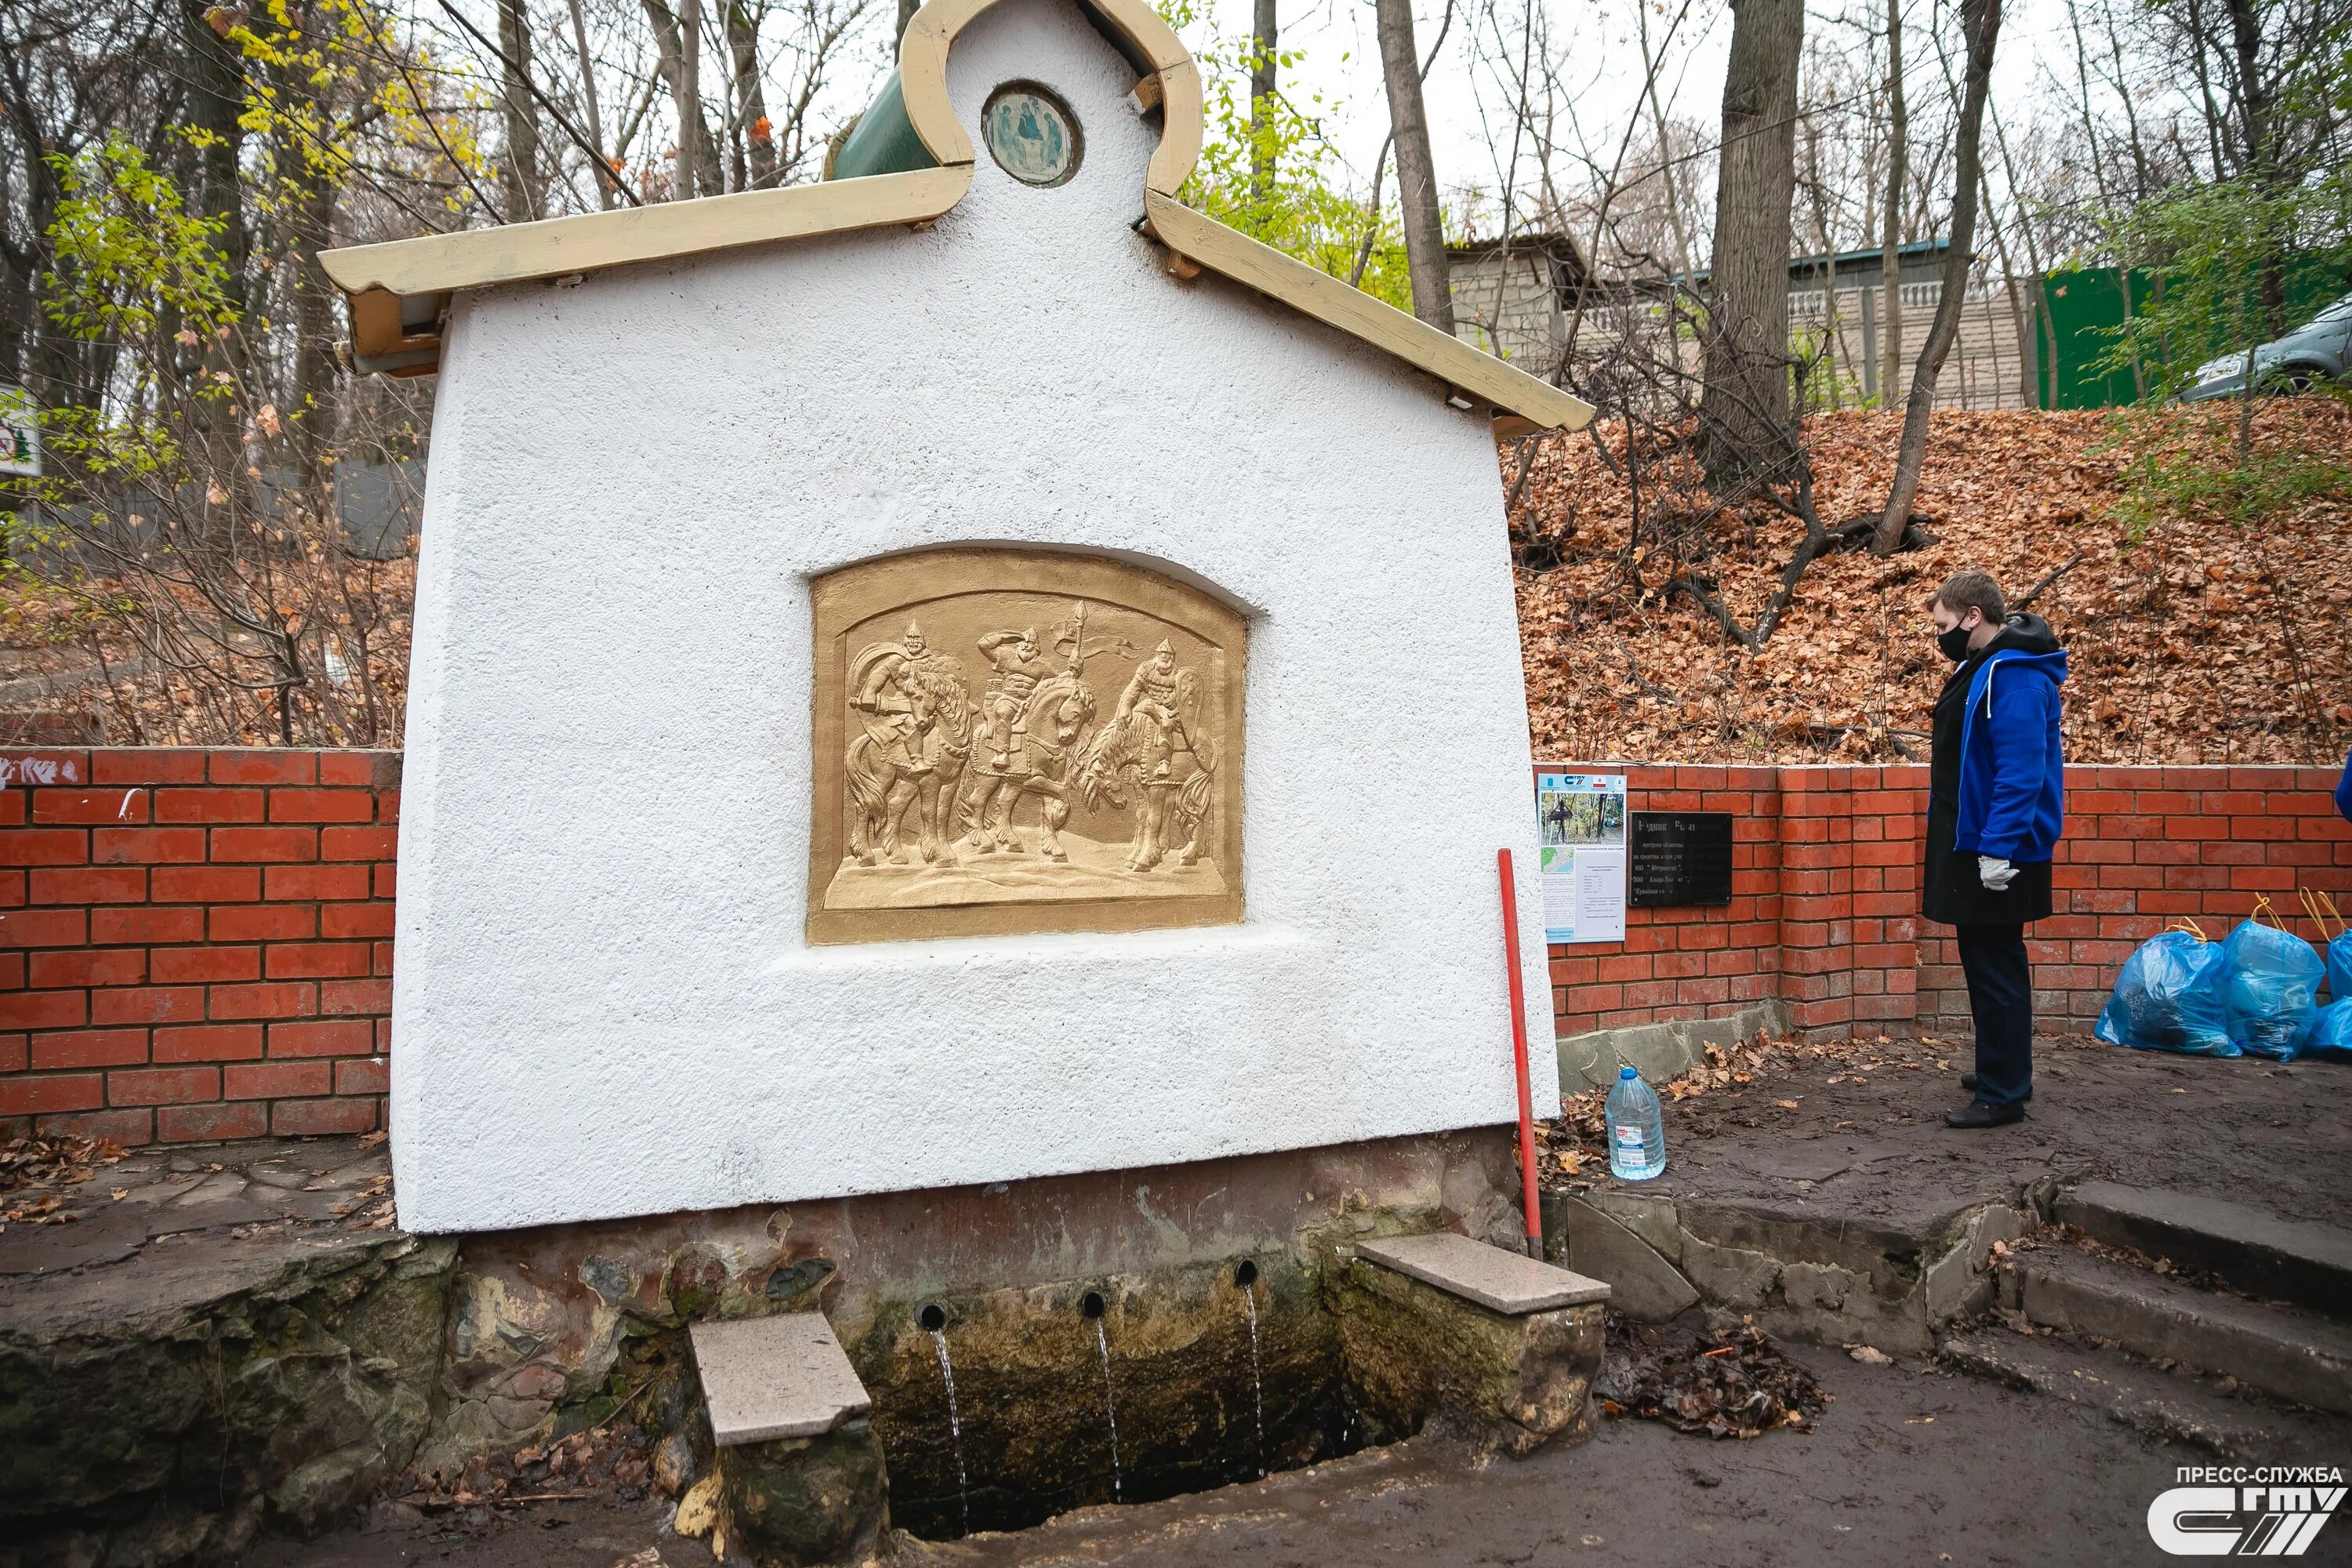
1910 1465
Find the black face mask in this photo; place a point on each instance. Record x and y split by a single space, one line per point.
1955 643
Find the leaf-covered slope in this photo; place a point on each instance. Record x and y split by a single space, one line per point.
2193 639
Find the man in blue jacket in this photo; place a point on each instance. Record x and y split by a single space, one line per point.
1996 803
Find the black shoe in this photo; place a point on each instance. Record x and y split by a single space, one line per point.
1968 1082
1984 1113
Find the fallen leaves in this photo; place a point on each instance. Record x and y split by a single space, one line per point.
42 1210
2188 642
602 1458
36 1162
1733 1382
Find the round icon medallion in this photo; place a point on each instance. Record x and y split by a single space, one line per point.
1031 133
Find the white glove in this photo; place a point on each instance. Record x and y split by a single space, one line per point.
1995 873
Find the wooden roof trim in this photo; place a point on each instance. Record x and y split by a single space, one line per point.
388 283
923 81
1472 371
555 248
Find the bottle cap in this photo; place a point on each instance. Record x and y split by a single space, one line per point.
1624 1073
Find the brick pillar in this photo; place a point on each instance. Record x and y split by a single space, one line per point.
1817 898
1889 821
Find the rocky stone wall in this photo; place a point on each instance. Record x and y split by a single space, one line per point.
549 1327
1829 1278
172 1408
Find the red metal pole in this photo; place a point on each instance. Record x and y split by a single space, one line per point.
1528 1196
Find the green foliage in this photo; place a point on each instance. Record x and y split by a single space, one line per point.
2182 466
128 253
2213 246
1303 203
307 59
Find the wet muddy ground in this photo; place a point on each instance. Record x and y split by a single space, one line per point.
1857 1130
1908 1465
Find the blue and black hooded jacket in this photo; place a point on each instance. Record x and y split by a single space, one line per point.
2013 768
1997 778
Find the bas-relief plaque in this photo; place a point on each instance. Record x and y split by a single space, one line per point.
1014 741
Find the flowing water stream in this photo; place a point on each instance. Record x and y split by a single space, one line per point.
1118 1481
1257 1380
955 1428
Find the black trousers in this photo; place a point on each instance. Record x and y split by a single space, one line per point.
2001 995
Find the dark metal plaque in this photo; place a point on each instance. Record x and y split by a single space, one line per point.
1678 857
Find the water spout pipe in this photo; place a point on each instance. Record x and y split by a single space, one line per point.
1520 1057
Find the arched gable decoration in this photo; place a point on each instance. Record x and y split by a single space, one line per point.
400 291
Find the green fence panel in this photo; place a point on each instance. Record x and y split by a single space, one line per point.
2087 306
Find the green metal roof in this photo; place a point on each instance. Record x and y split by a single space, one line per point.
883 142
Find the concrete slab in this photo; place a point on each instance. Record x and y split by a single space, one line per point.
2176 1407
2252 1249
1643 1285
1507 1283
784 1376
170 1194
2284 1351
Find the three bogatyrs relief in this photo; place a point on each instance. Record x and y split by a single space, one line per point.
1013 740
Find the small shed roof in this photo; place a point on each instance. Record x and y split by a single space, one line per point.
399 291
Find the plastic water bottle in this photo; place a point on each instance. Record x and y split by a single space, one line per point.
1637 1130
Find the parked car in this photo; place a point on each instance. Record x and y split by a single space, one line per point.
2320 350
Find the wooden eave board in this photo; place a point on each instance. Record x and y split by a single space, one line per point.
1375 321
556 248
378 276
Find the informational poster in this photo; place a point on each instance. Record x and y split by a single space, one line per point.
1580 836
20 434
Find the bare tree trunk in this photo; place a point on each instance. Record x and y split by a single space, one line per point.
604 170
692 135
216 102
1890 239
1980 20
2045 352
1833 338
743 44
2261 159
521 162
314 400
1744 408
1381 164
1649 62
907 9
2018 310
308 174
697 154
1262 72
1424 234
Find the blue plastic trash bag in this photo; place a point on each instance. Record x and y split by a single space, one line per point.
2272 990
2339 967
2331 1033
2168 999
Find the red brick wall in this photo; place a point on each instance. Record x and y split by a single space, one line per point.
1825 891
196 944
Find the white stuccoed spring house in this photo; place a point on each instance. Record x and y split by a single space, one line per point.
657 430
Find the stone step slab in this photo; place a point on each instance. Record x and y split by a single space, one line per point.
2172 1406
2249 1249
1511 1283
2288 1352
785 1376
